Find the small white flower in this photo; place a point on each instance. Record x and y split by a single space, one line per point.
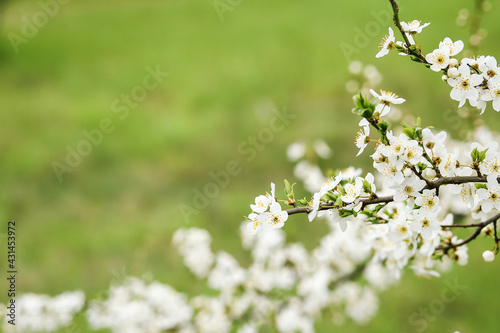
399 230
330 184
433 142
439 59
396 148
275 218
489 68
448 165
428 201
466 191
493 94
314 206
491 164
387 97
255 225
450 47
480 103
426 223
413 152
490 197
353 191
391 171
413 27
362 139
388 43
410 188
326 187
464 85
262 202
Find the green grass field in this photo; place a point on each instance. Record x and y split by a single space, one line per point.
116 211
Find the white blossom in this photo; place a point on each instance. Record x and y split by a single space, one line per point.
387 44
464 85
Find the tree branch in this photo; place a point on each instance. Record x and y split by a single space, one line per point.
435 184
480 226
397 23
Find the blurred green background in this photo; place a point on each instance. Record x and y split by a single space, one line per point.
115 213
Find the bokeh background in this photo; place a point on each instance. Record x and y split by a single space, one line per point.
115 213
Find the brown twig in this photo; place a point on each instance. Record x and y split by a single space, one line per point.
479 228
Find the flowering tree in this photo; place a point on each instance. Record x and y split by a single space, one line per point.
418 167
404 214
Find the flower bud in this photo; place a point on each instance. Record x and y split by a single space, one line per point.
453 62
430 173
407 173
444 78
453 72
488 256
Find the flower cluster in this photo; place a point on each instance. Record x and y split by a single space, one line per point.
285 285
44 313
476 80
405 213
422 179
194 245
136 306
267 213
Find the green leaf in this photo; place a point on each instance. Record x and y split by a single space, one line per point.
340 188
367 113
378 208
366 186
414 58
303 202
345 213
383 126
418 134
410 132
359 101
413 48
421 166
482 155
331 196
357 111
